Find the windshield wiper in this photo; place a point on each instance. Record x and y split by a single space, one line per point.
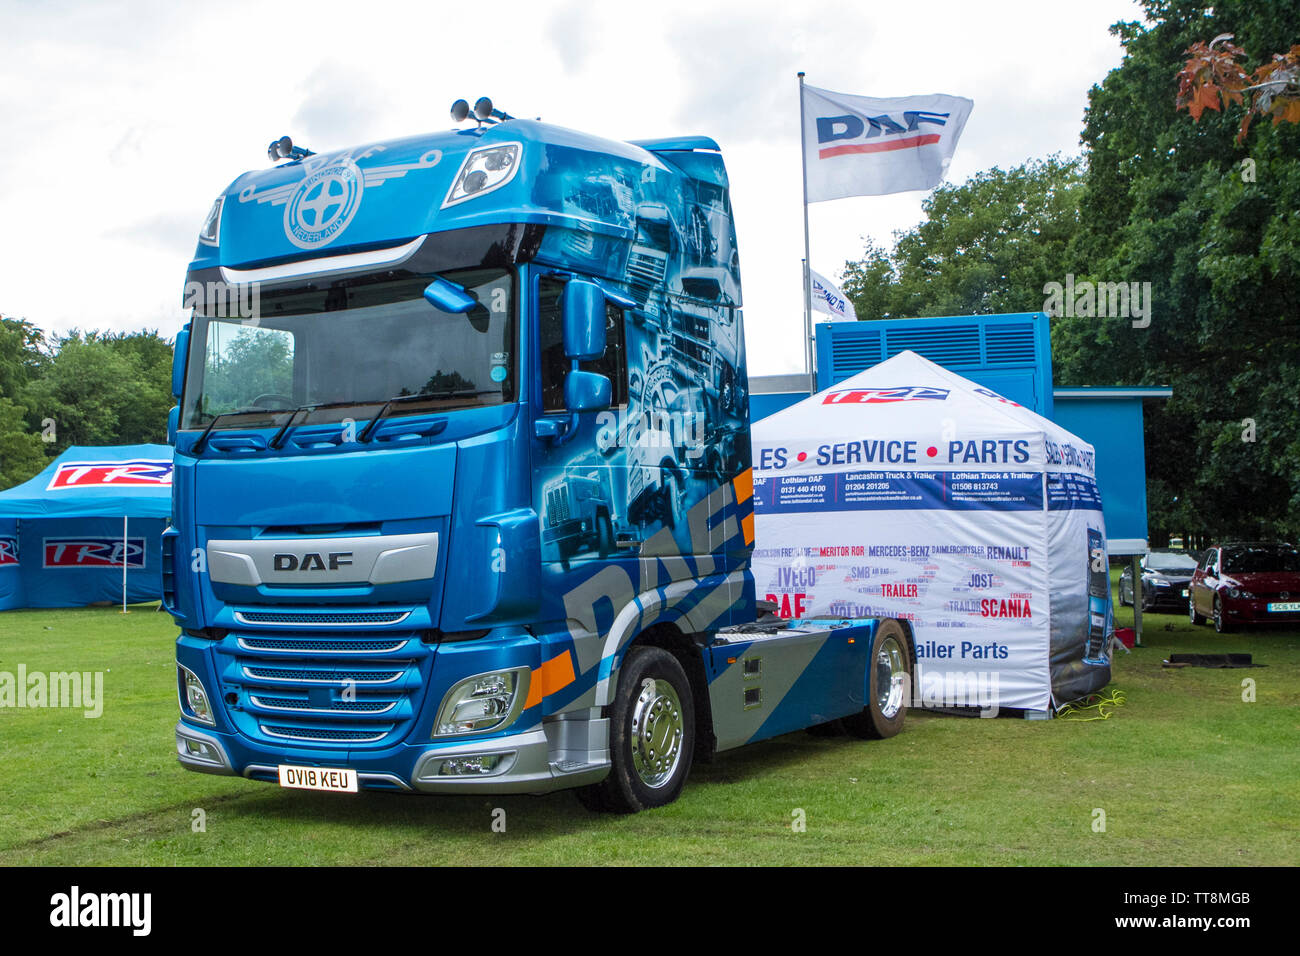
275 441
198 445
398 399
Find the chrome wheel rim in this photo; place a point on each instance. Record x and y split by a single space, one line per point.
658 728
890 678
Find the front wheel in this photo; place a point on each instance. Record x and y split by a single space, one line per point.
1221 623
1191 610
888 687
652 735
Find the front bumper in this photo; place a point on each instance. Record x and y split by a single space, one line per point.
558 755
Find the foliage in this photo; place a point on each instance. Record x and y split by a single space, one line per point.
1158 198
1213 74
986 245
93 388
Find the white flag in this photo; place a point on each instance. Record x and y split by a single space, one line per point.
826 297
864 146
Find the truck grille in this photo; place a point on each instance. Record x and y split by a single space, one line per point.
557 505
323 619
324 691
649 267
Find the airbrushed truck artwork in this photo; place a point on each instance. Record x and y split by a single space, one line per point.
463 496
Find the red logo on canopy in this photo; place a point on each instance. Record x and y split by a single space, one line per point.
101 474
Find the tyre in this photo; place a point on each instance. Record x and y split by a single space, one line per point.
1122 602
1221 623
604 536
888 686
1191 610
651 735
675 506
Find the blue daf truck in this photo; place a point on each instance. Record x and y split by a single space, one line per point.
462 493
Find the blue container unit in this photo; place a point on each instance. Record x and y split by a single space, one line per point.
463 498
1010 354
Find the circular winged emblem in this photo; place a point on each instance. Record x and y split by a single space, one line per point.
323 205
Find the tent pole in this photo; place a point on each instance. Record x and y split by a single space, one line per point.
125 558
810 359
1137 600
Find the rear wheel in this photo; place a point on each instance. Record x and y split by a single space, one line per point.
888 687
652 735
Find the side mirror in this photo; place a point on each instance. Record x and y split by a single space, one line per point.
178 361
583 309
449 297
173 424
586 391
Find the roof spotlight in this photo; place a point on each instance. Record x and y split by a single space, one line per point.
459 110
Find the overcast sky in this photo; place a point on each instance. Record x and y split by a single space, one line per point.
122 121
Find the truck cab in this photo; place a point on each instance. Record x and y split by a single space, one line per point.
406 553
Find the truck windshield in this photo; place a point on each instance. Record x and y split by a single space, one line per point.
350 346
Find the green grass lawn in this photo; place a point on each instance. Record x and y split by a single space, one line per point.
1186 772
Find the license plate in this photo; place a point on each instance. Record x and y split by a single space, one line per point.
1284 606
318 778
1184 592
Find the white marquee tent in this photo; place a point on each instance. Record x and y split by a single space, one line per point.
908 491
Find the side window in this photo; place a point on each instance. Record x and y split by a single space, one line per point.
613 364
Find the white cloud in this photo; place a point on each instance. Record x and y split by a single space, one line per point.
123 120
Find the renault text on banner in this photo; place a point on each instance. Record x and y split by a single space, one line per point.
866 146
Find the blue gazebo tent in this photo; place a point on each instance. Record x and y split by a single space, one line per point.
87 529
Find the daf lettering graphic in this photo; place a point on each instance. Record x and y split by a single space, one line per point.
312 561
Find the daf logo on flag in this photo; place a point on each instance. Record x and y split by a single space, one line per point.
886 132
99 474
871 146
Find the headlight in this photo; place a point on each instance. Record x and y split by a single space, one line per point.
210 234
194 698
482 703
484 169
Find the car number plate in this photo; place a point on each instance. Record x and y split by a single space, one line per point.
318 778
1284 606
1184 592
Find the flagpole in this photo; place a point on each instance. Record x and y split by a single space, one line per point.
809 358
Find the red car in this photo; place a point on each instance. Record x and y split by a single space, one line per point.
1246 583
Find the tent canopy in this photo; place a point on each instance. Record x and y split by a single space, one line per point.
87 529
910 492
83 482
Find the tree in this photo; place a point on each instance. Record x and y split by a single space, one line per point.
1174 202
22 454
1214 75
104 389
986 245
21 358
